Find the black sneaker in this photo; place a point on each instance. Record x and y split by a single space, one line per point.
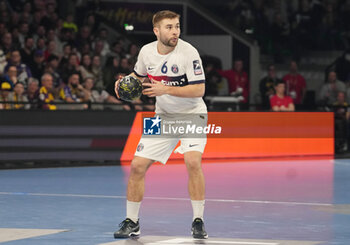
198 230
127 229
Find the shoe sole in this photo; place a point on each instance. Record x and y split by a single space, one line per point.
132 234
199 237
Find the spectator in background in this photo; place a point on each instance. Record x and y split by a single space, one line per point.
27 50
52 36
18 97
67 36
132 54
39 33
40 44
14 20
97 71
267 86
35 23
295 84
52 68
125 65
3 30
96 96
69 23
11 76
342 66
47 93
38 65
91 23
67 50
111 70
50 17
74 91
32 92
84 36
6 44
15 38
71 67
280 101
98 49
3 62
212 80
50 49
329 91
117 49
86 67
23 32
237 79
102 36
5 91
85 49
341 124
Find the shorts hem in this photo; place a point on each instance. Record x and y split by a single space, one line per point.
151 158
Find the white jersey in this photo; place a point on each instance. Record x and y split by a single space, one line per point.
181 67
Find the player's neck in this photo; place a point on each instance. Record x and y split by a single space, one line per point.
280 95
163 50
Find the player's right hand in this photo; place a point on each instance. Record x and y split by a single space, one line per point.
116 86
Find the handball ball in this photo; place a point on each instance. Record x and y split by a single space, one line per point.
130 88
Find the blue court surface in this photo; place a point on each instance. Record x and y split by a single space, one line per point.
256 202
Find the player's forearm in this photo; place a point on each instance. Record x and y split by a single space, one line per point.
195 90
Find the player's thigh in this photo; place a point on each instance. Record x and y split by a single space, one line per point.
157 149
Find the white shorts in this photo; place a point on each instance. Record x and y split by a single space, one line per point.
160 149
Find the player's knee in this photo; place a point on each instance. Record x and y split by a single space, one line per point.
193 165
138 167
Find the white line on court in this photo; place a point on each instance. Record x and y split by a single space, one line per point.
166 198
190 241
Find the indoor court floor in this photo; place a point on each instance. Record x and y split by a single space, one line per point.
249 202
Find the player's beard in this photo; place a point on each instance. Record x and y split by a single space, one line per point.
170 42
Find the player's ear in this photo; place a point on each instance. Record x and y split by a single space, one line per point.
156 30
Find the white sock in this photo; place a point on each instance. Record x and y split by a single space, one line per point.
198 209
132 210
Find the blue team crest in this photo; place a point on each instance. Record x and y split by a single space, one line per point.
175 68
152 125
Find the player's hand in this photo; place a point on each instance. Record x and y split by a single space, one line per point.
154 89
116 86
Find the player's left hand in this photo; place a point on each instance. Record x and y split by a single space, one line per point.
154 89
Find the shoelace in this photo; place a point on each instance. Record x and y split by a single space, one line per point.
198 225
124 223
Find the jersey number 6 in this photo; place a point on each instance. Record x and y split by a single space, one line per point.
164 68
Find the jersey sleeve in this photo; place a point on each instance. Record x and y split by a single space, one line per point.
194 68
140 68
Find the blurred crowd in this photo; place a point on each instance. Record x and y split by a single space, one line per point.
51 54
48 58
289 27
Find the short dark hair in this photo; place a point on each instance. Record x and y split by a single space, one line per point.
52 57
279 81
164 14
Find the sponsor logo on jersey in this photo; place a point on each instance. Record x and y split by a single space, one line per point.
197 67
175 68
170 81
152 125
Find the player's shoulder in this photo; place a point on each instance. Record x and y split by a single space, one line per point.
149 47
186 46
